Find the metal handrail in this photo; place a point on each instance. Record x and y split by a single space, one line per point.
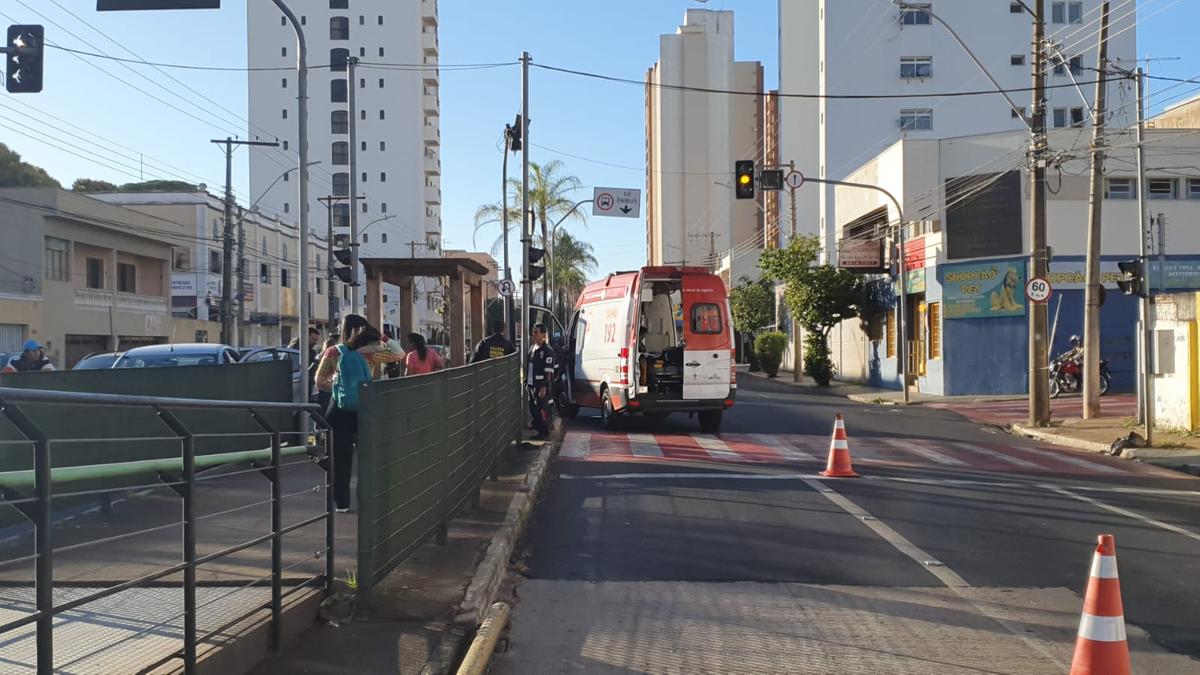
49 396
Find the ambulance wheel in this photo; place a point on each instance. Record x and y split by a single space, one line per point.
608 416
710 421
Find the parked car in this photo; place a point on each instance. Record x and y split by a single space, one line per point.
259 354
187 354
683 363
98 361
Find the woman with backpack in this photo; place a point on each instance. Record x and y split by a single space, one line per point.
342 372
421 359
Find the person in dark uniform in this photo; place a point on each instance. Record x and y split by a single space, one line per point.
541 373
494 346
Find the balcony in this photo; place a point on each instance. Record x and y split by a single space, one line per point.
430 59
429 42
429 103
431 135
433 195
429 12
94 298
432 223
433 166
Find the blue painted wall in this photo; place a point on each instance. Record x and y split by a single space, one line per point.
1118 332
986 356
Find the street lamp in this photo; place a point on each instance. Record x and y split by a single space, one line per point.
377 220
550 250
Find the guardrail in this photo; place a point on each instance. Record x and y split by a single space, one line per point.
33 412
425 445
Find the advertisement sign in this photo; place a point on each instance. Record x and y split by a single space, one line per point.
860 254
914 282
183 285
914 254
983 290
1175 275
1068 275
983 215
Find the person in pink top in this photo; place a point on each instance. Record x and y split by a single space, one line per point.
420 359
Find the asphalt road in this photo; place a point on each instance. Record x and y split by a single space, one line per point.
658 515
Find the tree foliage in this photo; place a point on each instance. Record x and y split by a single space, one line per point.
769 349
819 297
16 173
548 198
574 262
96 185
753 305
92 185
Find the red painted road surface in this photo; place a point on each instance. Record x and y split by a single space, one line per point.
1003 413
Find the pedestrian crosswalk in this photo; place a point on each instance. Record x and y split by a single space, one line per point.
811 449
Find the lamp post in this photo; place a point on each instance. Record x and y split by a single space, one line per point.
550 251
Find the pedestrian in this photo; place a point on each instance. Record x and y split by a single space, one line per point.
342 372
32 358
379 351
495 345
323 395
421 358
539 379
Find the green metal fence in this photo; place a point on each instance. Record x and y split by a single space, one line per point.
425 444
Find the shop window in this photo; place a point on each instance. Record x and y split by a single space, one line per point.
126 278
891 334
935 330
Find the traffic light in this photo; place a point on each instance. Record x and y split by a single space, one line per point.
536 271
743 175
342 256
514 133
771 179
23 60
1132 281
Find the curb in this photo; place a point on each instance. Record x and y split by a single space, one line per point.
485 585
1130 454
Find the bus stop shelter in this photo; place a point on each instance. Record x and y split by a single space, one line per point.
463 273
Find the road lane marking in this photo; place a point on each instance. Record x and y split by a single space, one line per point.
575 446
995 454
644 445
717 448
915 448
780 445
707 476
1073 461
1125 512
937 568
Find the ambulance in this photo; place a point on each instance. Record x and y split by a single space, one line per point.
653 342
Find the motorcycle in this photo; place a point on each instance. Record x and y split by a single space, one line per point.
1066 375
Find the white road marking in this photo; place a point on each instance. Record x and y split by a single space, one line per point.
994 454
575 446
721 476
1073 461
916 448
937 568
1125 512
781 445
644 445
717 448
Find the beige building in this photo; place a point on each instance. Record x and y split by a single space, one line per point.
1184 115
694 138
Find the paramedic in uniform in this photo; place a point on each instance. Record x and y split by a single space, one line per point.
541 373
494 346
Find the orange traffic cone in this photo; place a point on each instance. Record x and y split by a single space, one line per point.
1100 648
839 453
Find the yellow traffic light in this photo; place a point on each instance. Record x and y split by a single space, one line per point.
744 179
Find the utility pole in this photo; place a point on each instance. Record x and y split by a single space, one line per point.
353 115
240 317
227 329
328 201
1091 326
1039 367
526 284
412 247
1145 313
512 143
791 168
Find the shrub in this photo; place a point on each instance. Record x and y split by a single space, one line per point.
817 363
769 348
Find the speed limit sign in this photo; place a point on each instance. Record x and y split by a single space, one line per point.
1038 290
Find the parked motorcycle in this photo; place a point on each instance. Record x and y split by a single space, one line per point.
1066 375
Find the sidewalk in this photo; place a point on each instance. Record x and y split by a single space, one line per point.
1175 451
862 393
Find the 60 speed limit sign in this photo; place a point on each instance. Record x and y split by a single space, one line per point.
1038 290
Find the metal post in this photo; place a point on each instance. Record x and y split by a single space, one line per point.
526 284
1039 366
301 394
330 572
42 531
276 477
328 201
1145 313
1091 327
353 114
187 493
240 317
227 251
504 228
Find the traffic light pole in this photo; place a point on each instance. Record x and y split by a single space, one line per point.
1039 360
353 159
1144 306
526 283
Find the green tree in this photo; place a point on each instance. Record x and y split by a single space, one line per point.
768 347
17 173
574 263
753 305
92 185
159 186
819 297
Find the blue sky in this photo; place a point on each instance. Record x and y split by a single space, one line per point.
595 128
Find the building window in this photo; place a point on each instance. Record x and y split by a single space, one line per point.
285 144
341 153
284 80
285 176
383 207
1160 188
912 67
382 176
362 51
283 253
303 20
287 208
1077 117
341 215
339 122
337 59
381 83
362 20
320 290
364 207
95 272
1120 188
381 23
366 238
382 146
283 21
383 237
264 273
381 52
264 247
339 4
1066 12
381 114
339 28
57 252
283 51
1193 188
1075 64
1017 59
337 91
284 113
362 83
126 278
285 278
364 176
362 114
917 119
1019 113
915 15
935 329
1015 8
214 262
341 184
1064 117
363 145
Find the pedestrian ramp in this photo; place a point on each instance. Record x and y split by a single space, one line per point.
811 449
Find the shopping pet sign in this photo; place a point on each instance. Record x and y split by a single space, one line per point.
983 290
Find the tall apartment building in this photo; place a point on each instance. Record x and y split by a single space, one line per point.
692 141
853 47
397 130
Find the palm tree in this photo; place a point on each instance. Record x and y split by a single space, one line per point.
547 198
573 263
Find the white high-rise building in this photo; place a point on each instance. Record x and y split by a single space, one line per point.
692 141
398 159
854 47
